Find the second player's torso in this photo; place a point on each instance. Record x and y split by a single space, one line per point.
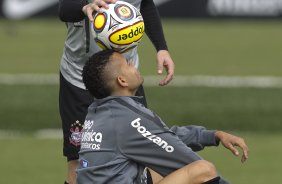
80 45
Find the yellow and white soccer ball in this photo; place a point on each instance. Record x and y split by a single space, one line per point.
120 27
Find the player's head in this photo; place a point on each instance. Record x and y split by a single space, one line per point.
108 73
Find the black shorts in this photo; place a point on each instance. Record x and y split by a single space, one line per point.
73 105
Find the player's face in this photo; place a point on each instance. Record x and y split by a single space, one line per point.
129 72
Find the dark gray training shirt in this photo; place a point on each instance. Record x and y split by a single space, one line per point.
121 137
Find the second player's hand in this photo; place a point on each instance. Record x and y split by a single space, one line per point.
96 6
230 142
164 61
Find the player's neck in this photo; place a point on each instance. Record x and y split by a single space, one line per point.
123 93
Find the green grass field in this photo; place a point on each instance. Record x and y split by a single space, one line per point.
198 47
227 48
248 109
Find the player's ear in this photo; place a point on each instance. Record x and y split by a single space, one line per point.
122 81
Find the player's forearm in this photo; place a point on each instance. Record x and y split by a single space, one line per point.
71 10
153 26
196 137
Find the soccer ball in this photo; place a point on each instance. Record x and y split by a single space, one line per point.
120 27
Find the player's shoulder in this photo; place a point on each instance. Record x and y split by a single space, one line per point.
122 108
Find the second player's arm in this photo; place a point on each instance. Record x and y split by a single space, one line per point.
154 30
71 10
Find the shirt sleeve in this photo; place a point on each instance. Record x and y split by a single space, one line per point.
153 25
71 10
195 137
153 145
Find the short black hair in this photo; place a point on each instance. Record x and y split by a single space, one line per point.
93 74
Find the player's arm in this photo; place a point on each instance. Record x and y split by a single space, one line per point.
77 10
230 142
197 137
153 25
154 30
71 10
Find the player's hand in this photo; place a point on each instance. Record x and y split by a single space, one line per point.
164 61
96 6
230 142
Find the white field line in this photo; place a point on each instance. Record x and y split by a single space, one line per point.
29 79
49 134
150 81
220 81
39 134
8 134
